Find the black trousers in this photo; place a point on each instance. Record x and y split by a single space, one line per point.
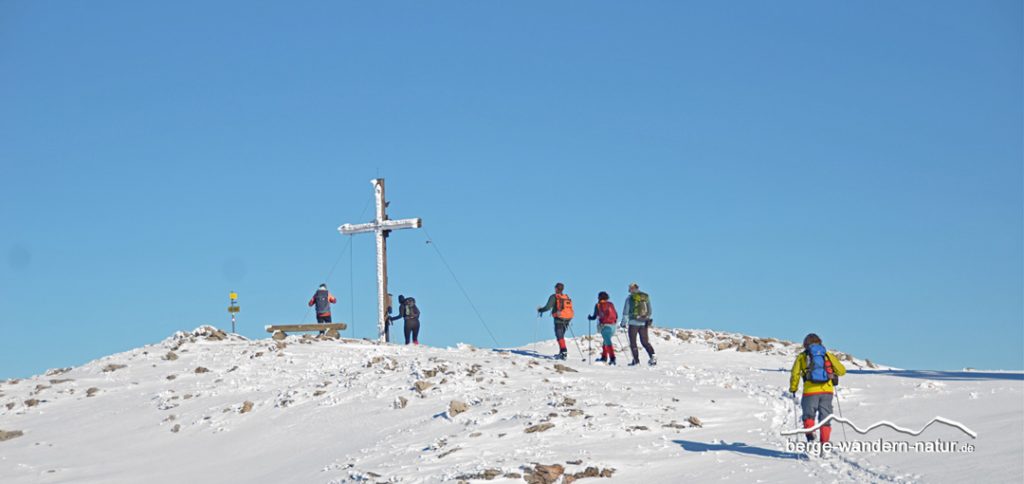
323 319
412 329
644 340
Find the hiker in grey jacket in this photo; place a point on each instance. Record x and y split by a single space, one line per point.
637 316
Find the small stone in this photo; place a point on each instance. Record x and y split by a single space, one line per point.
567 402
449 452
695 422
564 369
202 369
545 474
10 434
113 367
91 392
575 412
171 377
279 336
539 428
422 386
176 428
31 402
171 356
870 364
456 407
319 392
401 402
246 407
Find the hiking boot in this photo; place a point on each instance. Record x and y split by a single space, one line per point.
611 362
634 363
562 354
653 361
602 359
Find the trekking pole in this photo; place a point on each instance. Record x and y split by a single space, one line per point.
840 409
590 343
578 348
796 412
536 327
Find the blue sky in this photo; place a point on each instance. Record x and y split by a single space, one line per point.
853 169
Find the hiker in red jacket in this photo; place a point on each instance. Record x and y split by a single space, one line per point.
604 312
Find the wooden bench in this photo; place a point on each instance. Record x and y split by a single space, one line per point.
331 329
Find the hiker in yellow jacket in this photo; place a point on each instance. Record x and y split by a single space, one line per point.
820 371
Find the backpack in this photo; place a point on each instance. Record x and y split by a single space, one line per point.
641 306
606 312
322 300
411 310
563 307
819 368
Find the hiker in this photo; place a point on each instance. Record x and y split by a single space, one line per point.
322 299
560 306
407 310
636 315
604 313
820 370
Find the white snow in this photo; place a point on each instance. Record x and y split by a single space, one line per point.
330 411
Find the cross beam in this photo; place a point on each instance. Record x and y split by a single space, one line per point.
382 226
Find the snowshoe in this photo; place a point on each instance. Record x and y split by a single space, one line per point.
653 361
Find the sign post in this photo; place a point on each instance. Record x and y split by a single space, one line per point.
233 308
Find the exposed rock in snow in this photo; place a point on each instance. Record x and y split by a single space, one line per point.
10 434
539 428
456 407
113 367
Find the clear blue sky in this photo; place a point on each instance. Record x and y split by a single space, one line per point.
848 168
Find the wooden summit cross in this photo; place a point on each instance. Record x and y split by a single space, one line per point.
382 226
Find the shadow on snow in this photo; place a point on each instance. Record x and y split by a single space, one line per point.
527 353
739 448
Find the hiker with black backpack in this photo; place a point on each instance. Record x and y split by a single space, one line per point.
408 311
636 315
604 313
820 371
560 306
322 299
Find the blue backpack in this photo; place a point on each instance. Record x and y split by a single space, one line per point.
819 368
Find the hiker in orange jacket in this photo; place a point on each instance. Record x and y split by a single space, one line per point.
820 371
560 306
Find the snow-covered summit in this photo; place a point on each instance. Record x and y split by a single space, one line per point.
208 406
